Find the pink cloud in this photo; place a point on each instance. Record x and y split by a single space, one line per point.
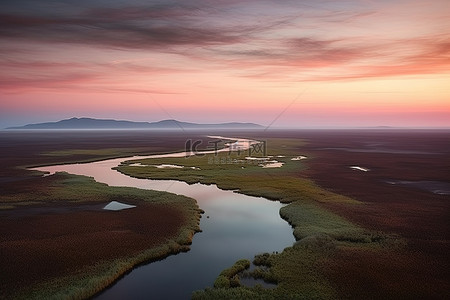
206 59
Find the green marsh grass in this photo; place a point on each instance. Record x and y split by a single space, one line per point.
229 277
318 231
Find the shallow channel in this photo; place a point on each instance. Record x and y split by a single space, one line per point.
234 226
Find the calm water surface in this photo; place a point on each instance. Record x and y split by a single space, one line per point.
238 226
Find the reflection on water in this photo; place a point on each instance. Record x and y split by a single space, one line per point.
238 226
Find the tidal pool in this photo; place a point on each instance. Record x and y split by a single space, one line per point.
359 168
435 187
115 206
234 226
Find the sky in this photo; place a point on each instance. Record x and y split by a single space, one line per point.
286 63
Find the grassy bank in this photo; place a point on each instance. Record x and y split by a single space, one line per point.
63 195
321 234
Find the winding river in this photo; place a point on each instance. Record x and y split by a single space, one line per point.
234 226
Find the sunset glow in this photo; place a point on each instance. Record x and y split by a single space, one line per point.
295 64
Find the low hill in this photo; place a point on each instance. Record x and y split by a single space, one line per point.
90 123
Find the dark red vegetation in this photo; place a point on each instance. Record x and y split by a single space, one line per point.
419 216
47 240
35 245
28 148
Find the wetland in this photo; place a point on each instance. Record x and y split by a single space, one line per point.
348 233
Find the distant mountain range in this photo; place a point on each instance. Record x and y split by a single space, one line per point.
90 123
